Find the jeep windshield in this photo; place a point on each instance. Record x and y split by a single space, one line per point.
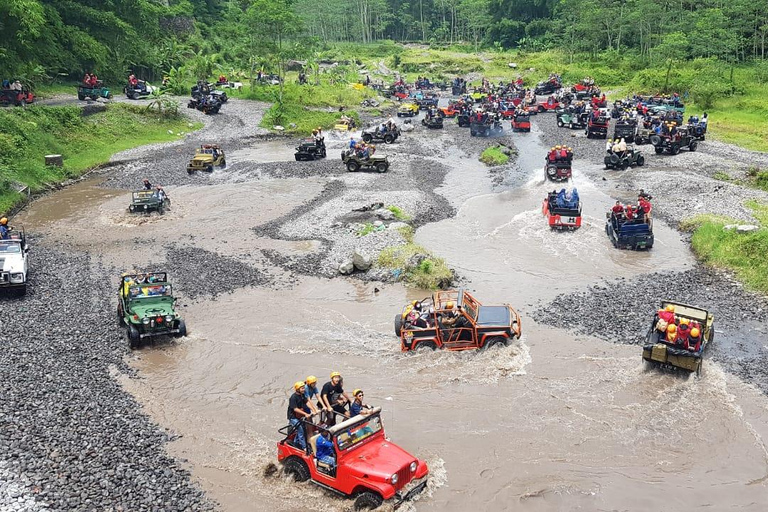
7 247
357 433
143 195
149 291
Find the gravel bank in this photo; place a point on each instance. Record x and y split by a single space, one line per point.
620 311
70 437
682 185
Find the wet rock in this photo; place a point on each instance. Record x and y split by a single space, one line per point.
385 214
347 267
361 261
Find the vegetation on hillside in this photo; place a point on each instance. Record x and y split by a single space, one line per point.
27 135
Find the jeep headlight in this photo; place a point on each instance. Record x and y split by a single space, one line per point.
169 318
413 466
145 207
17 277
145 321
393 479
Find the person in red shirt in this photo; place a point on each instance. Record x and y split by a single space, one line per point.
629 211
564 153
694 340
618 208
94 80
667 314
683 331
552 156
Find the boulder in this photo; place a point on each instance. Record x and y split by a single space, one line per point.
385 214
377 224
346 268
361 261
397 225
747 228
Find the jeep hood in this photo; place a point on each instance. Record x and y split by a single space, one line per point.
151 307
378 458
12 263
203 158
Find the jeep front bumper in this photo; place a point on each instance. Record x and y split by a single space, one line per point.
158 332
416 487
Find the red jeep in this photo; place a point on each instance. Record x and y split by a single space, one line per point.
368 466
18 98
561 214
549 106
455 320
521 123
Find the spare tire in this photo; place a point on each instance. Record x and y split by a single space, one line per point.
655 140
398 325
614 158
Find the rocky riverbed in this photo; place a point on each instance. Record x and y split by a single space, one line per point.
73 439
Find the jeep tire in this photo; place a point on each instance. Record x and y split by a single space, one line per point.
398 325
382 167
367 138
368 500
352 166
182 329
495 341
134 339
297 468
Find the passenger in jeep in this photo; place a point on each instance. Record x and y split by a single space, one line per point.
334 399
357 406
296 413
325 452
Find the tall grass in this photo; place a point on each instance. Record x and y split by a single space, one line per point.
27 135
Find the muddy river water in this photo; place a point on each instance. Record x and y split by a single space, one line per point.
553 422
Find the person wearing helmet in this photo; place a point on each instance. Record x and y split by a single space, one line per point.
357 406
147 184
671 333
608 145
334 399
552 154
310 392
683 332
5 230
297 415
694 340
450 315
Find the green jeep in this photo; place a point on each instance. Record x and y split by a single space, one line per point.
206 157
145 305
93 92
149 201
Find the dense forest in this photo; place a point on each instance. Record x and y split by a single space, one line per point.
49 38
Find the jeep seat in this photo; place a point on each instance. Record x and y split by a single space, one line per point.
313 444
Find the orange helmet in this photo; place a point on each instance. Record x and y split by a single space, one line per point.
695 332
684 321
671 328
670 308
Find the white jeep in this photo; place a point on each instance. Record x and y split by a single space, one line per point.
13 263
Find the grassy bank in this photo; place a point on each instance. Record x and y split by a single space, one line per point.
743 253
494 155
27 135
417 266
306 106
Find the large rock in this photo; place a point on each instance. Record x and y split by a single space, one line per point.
385 214
361 261
747 228
346 268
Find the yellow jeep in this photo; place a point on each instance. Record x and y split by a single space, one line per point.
408 110
206 157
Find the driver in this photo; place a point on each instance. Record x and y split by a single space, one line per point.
5 230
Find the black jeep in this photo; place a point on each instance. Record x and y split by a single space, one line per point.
310 149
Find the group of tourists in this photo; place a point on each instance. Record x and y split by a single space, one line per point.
424 316
559 154
360 149
677 330
159 191
91 80
635 214
311 406
12 86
